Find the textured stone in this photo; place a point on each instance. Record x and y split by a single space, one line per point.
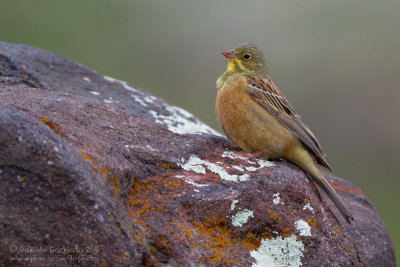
89 162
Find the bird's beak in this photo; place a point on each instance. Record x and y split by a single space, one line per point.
229 54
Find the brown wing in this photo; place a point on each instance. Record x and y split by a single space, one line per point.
265 92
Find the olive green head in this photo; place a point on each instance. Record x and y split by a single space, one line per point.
246 58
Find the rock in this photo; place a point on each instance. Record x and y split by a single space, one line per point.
97 172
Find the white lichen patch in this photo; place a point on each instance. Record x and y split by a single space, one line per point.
261 163
178 120
109 100
276 199
181 121
199 166
143 99
278 252
87 79
139 100
195 184
194 164
241 217
238 168
233 204
308 206
303 227
124 84
233 155
94 93
264 163
149 99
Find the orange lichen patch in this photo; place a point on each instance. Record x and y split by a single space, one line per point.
138 186
272 214
143 210
347 249
218 236
217 256
51 125
266 235
312 222
88 157
104 171
279 219
133 202
165 241
114 183
189 234
173 183
251 242
165 165
337 231
138 237
158 210
285 233
137 221
137 207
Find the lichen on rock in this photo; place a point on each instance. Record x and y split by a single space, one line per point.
88 161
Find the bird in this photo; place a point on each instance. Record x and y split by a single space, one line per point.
258 118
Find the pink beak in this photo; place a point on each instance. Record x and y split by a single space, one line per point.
229 54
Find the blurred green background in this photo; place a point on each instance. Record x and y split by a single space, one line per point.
338 62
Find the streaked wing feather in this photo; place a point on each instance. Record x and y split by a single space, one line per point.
265 92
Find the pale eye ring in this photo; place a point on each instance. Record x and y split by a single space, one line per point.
246 56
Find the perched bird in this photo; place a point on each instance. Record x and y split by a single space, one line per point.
255 116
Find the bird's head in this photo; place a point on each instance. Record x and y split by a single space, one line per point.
246 58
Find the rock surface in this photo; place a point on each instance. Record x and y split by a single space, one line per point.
96 172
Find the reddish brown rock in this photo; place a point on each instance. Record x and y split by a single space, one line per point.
88 162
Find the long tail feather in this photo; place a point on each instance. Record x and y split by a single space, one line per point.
336 199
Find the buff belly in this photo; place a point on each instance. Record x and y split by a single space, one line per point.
251 127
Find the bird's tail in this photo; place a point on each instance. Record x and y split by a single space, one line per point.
336 199
307 162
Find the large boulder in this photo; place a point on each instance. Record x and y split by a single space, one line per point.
94 171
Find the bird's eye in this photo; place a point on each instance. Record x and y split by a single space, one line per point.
246 56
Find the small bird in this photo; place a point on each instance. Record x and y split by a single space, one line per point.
255 116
